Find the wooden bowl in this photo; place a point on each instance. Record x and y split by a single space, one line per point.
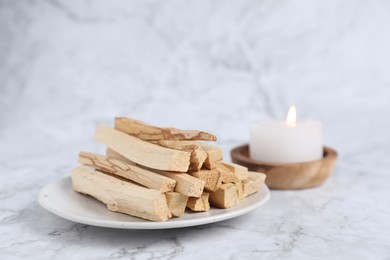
288 176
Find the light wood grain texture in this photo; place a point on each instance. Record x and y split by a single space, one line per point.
198 155
151 133
199 204
240 171
212 178
112 154
185 183
285 176
178 145
253 183
249 187
227 175
214 155
240 189
143 153
128 170
225 197
258 177
121 196
177 203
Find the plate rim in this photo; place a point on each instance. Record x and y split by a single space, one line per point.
179 223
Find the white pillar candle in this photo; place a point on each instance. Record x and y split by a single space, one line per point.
287 141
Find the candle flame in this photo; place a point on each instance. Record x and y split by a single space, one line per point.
291 116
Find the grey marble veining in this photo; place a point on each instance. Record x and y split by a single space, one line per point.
66 66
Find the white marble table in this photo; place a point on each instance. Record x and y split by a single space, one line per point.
345 218
66 66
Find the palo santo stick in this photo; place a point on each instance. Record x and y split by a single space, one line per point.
257 177
128 170
199 204
240 190
214 155
240 171
177 203
198 156
141 152
249 187
112 154
212 178
185 183
152 133
187 146
225 197
121 196
227 175
253 183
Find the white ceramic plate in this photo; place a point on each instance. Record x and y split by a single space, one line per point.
59 198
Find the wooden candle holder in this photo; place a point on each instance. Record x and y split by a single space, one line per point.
288 176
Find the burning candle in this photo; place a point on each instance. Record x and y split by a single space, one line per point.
287 141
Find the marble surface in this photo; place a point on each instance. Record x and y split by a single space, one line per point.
66 66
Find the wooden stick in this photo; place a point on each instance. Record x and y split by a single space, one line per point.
187 146
214 155
253 183
185 183
141 152
212 178
257 177
249 187
225 197
153 133
128 170
199 204
227 175
177 203
112 154
119 195
240 171
198 156
240 190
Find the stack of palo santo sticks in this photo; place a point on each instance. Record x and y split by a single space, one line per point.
156 173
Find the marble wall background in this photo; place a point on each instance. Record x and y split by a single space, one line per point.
215 65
